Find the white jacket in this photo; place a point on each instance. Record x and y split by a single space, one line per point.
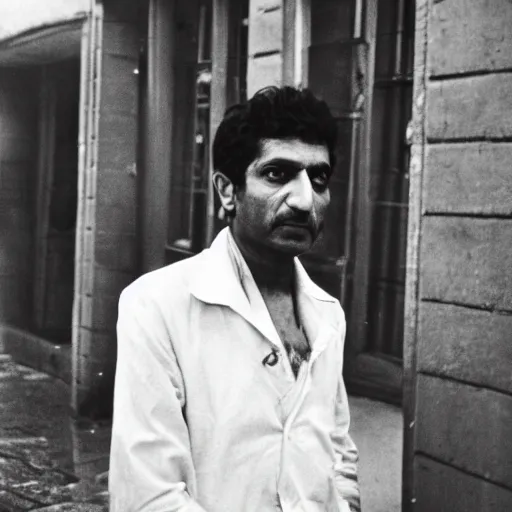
200 423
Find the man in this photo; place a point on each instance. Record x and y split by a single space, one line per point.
229 394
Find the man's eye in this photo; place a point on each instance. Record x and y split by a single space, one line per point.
276 173
320 179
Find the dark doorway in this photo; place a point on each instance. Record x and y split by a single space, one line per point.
57 200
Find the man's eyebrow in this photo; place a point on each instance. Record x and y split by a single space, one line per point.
321 166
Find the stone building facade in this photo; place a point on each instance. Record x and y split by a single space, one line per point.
69 135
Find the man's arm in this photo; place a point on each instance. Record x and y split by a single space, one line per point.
346 454
150 459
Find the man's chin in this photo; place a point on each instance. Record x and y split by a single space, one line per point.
293 246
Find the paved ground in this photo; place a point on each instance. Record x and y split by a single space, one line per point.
48 462
377 431
51 463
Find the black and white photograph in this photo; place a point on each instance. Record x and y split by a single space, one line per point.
256 255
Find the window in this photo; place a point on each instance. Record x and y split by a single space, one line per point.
329 63
392 107
190 172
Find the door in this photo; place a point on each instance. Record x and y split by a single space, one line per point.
193 207
358 57
389 184
57 201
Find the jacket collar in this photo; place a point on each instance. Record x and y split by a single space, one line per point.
225 279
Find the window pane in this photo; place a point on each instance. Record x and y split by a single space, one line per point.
331 20
392 97
190 143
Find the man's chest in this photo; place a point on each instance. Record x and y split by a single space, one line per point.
289 328
226 375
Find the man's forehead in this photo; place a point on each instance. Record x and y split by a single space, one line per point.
294 150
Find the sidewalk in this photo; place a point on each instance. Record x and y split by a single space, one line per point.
51 463
376 428
48 462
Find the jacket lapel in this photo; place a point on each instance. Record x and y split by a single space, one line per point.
317 311
223 281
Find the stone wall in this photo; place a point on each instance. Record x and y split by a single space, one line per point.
107 248
458 360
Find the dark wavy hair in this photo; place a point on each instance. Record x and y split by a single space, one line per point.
272 113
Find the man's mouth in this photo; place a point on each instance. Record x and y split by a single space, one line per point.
298 225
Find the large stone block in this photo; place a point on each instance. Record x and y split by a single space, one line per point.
478 107
466 344
116 219
119 87
469 35
121 38
99 312
264 71
468 178
441 488
466 427
467 261
116 251
265 31
111 282
117 187
118 143
104 312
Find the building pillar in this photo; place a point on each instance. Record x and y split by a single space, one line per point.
106 246
266 36
457 358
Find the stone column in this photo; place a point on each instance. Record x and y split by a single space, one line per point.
106 229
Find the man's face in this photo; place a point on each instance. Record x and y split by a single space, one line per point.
286 195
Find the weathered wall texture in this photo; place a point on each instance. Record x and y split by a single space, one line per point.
18 160
16 17
462 444
265 66
108 215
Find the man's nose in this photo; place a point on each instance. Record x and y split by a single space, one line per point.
300 196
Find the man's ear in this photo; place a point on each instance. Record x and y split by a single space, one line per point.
226 191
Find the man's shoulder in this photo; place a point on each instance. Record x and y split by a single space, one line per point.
165 283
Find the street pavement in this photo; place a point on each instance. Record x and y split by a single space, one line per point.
53 463
376 428
48 461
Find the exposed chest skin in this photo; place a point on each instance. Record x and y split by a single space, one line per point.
285 318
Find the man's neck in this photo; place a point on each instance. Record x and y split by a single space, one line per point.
272 272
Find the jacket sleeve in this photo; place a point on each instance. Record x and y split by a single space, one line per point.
151 468
347 455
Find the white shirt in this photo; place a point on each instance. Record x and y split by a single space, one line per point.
200 423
